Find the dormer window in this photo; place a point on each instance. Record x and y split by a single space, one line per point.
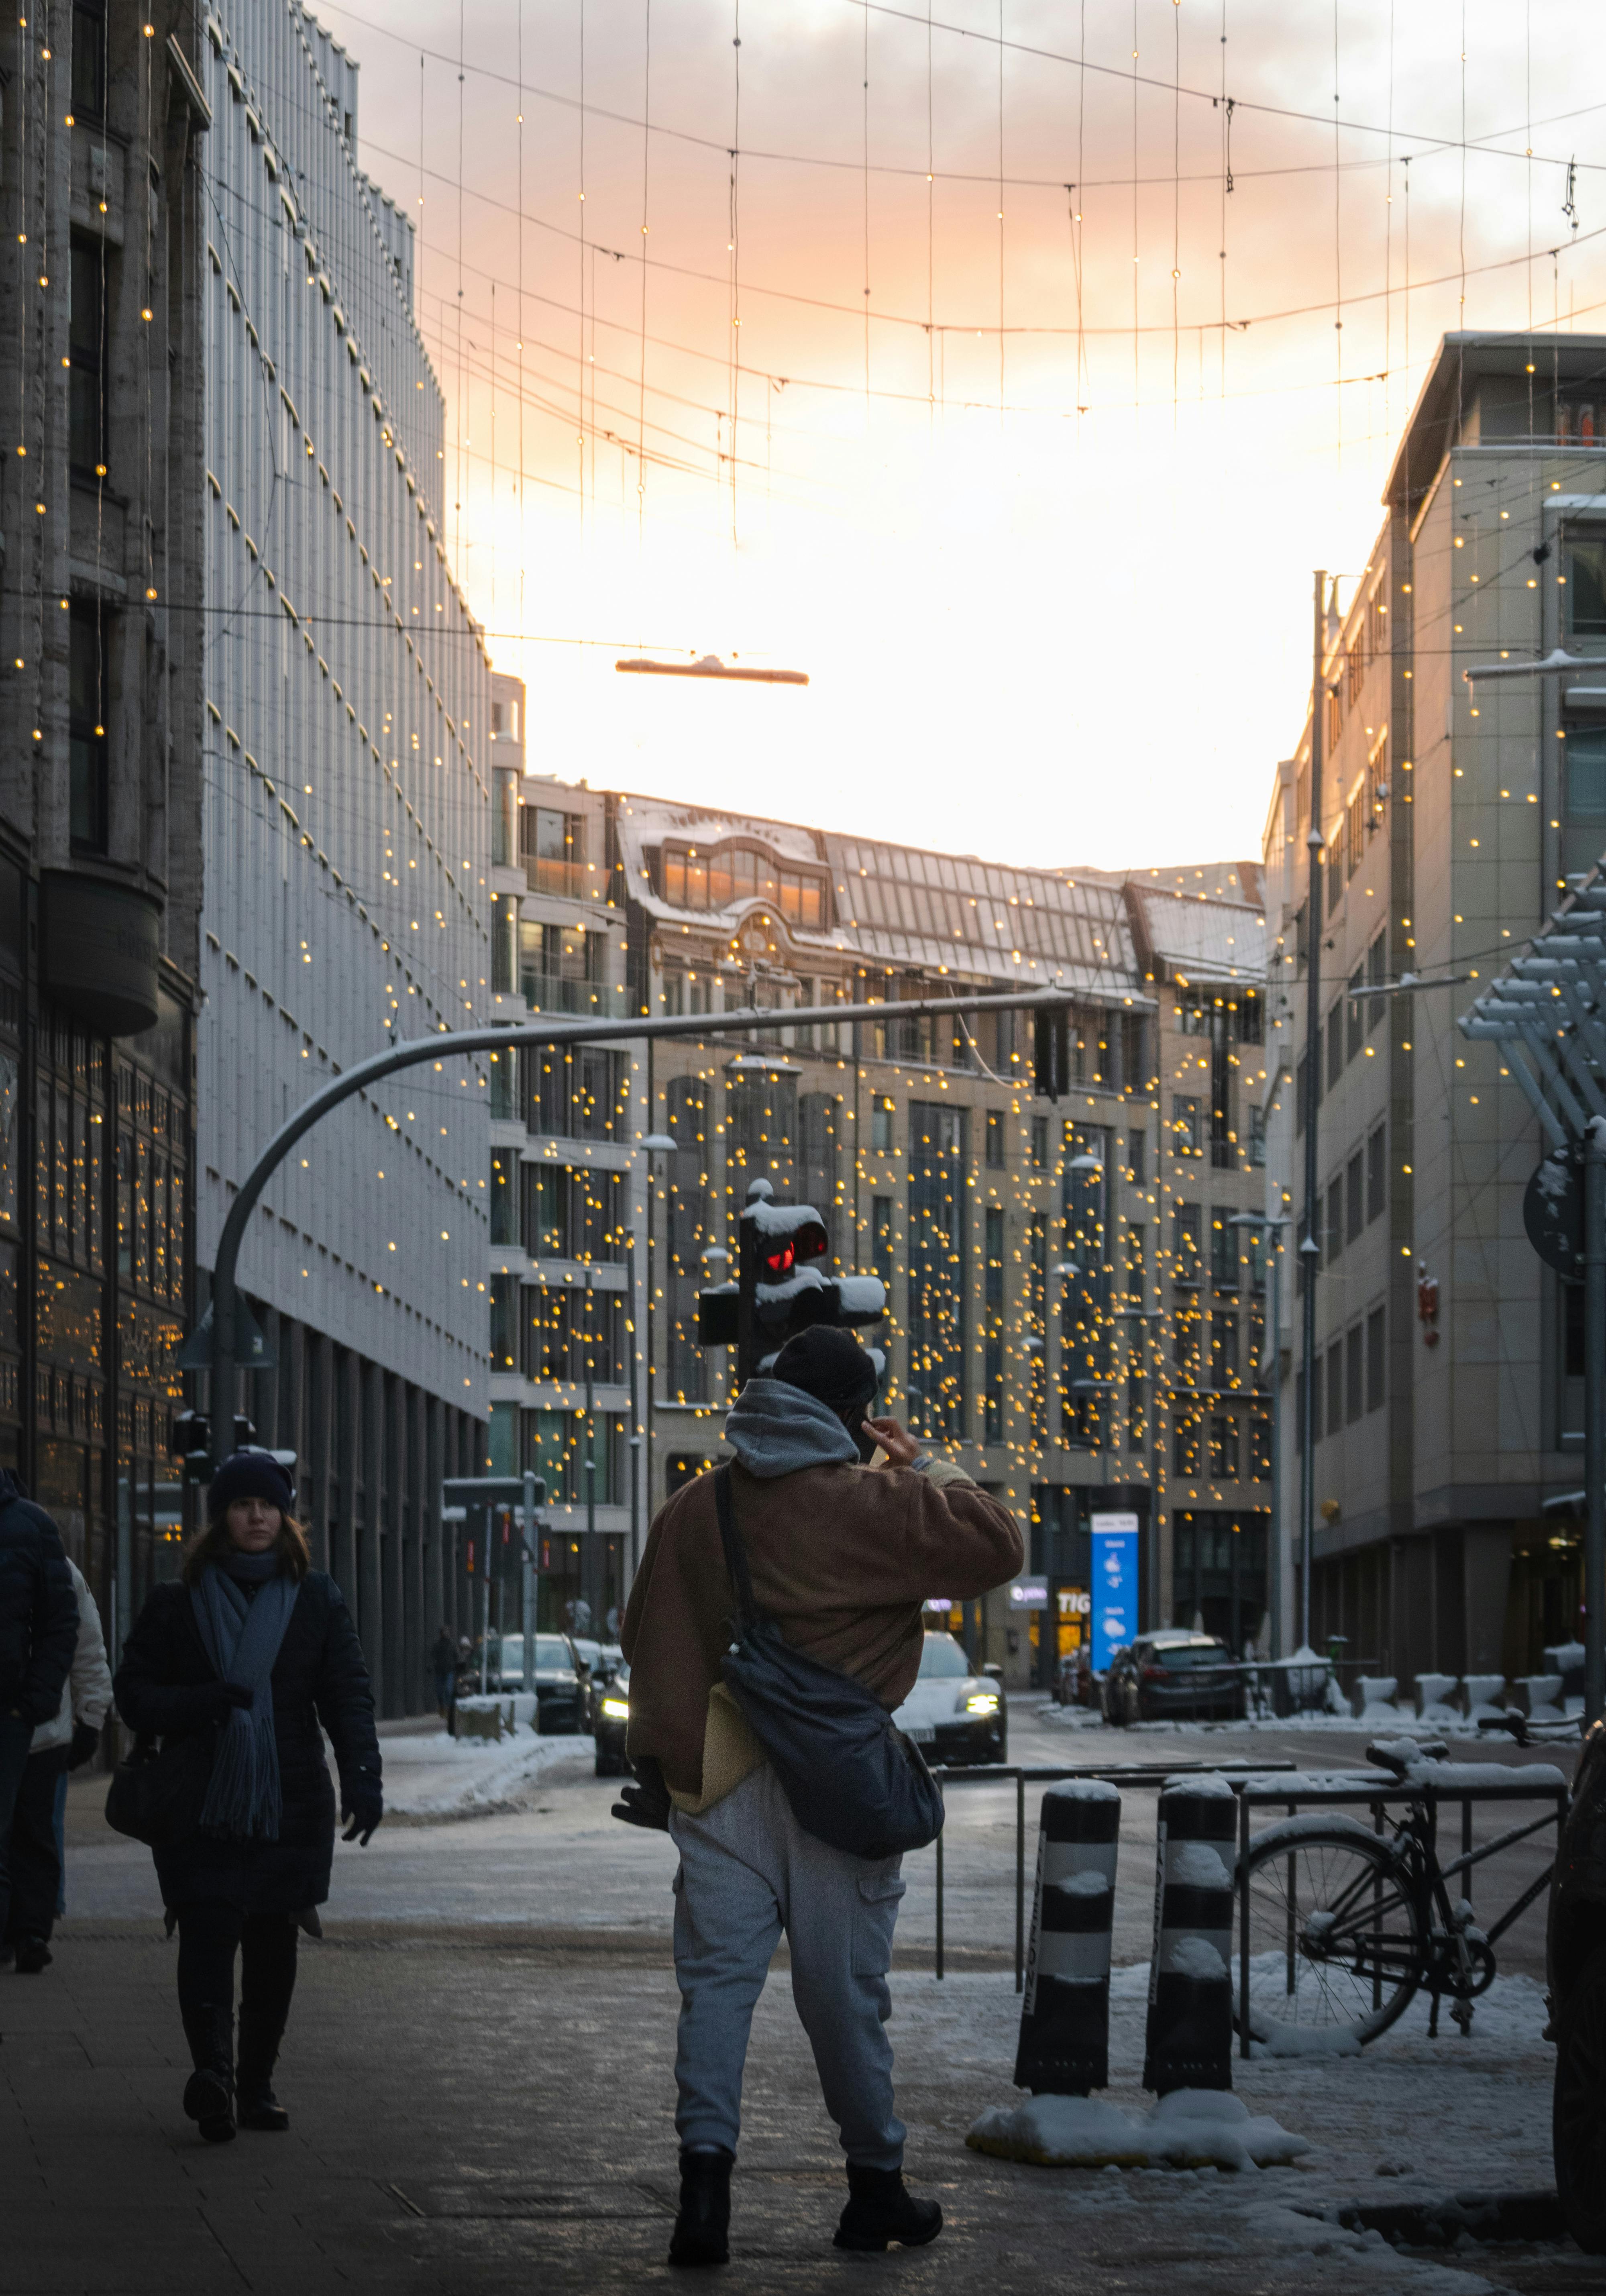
730 876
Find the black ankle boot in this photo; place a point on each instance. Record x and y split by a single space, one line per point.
208 2096
33 1955
703 2228
255 2104
881 2209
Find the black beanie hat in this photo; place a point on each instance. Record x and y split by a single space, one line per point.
830 1364
249 1475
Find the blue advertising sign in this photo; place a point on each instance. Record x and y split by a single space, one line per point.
1115 1571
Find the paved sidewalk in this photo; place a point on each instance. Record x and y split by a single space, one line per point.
476 2114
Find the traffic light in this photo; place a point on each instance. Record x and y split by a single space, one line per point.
781 1288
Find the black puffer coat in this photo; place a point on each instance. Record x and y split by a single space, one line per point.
38 1608
166 1684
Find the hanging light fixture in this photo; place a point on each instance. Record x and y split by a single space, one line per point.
708 665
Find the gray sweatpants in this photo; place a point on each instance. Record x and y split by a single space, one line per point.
748 1871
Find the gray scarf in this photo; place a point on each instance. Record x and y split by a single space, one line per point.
240 1635
775 1429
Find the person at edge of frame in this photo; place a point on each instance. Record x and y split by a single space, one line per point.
256 1649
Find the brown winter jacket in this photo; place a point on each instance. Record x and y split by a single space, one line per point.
842 1557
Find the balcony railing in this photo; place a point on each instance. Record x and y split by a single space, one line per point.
548 992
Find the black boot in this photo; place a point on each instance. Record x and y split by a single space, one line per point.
255 2104
881 2208
703 2228
33 1955
208 2096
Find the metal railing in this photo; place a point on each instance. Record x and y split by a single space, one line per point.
1132 1773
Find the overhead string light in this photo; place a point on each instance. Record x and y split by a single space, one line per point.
734 329
640 405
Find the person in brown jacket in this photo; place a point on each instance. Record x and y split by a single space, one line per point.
842 1560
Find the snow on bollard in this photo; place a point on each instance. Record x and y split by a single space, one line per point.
1064 2049
1190 2035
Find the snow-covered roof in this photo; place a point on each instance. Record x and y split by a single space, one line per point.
1186 938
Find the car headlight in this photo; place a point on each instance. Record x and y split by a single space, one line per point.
985 1701
619 1707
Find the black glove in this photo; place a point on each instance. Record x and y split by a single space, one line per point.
86 1741
226 1696
647 1802
363 1805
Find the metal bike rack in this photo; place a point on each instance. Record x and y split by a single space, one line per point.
1340 1789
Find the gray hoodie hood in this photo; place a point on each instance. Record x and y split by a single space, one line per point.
775 1429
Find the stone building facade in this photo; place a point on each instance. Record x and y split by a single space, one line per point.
1448 1390
347 831
103 125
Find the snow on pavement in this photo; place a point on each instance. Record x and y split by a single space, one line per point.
432 1776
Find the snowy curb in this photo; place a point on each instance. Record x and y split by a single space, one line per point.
441 1777
1191 2129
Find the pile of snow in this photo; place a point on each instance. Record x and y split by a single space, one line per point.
439 1776
1191 2129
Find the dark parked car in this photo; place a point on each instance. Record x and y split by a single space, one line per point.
954 1715
1174 1676
611 1718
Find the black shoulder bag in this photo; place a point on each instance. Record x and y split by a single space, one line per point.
852 1779
157 1795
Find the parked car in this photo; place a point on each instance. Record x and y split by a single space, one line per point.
1174 1676
556 1685
953 1714
611 1720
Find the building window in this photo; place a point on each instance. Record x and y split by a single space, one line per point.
1223 1448
505 1198
1224 1253
1223 1350
992 1429
1186 1432
881 1113
1377 1173
574 1095
1353 1343
1354 1197
938 1371
1135 1145
1260 1449
504 1323
86 340
1185 1246
1040 1143
89 821
1335 1222
1185 1138
554 849
1335 1044
732 875
1375 1359
1377 972
994 1140
1355 1005
1256 1138
1586 561
1584 835
88 59
1335 1387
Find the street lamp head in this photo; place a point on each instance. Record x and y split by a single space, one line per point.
660 1144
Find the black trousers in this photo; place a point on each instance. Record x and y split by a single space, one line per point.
209 1936
36 1860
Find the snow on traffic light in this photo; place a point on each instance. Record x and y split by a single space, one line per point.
781 1287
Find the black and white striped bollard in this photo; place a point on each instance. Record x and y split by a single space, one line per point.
1065 2015
1190 2034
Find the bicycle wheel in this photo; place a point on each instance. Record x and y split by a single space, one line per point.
1336 1946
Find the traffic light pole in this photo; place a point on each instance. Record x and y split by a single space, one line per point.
418 1052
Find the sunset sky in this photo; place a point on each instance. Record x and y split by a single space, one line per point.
1039 527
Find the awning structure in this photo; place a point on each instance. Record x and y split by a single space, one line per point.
1547 1013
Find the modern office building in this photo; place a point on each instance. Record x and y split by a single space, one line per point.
1069 1314
102 128
1448 1394
347 831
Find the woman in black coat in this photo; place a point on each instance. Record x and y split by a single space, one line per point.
253 1649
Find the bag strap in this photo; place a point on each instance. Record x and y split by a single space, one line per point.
735 1556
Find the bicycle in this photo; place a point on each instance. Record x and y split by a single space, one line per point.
1348 1925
